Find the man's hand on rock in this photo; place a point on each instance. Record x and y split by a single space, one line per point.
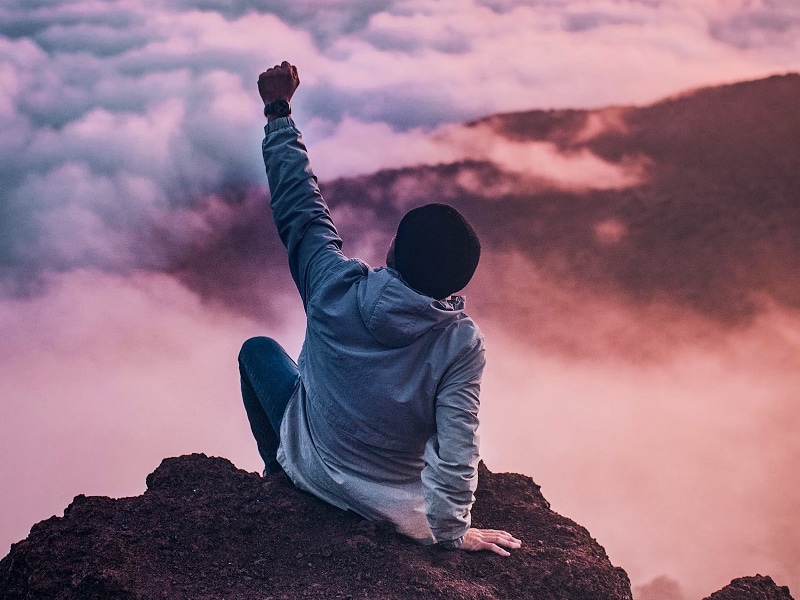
278 83
489 539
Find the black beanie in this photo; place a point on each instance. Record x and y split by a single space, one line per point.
436 250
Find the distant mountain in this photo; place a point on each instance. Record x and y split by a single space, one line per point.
707 228
712 227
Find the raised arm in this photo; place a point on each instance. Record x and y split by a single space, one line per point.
303 220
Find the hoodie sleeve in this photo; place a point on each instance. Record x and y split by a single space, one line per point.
303 220
450 474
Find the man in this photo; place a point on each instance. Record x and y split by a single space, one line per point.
379 416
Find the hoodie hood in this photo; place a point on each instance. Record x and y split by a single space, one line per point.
395 314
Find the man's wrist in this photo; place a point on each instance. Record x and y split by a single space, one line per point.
277 108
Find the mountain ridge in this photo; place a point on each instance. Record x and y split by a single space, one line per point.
711 229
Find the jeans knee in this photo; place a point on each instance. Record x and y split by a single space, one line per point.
258 346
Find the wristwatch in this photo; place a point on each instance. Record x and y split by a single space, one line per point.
279 108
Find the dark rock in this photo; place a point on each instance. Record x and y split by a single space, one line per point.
752 588
204 529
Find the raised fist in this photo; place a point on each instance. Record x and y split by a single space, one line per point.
278 83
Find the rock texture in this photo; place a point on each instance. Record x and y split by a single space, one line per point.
204 529
752 588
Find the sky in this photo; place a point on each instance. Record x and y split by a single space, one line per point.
130 135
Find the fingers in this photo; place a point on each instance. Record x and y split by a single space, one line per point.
491 547
493 540
502 538
282 69
498 550
271 72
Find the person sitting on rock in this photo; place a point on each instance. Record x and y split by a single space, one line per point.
379 415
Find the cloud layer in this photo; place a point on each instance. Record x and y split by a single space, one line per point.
116 114
136 251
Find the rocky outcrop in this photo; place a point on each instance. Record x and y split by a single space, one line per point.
204 529
752 588
207 530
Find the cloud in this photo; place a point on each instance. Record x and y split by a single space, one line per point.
99 40
661 588
326 21
584 21
350 149
693 452
108 178
482 60
103 376
576 170
760 24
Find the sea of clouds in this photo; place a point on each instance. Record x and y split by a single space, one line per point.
130 134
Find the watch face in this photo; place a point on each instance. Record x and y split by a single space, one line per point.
280 108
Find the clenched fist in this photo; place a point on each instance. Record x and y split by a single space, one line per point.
278 83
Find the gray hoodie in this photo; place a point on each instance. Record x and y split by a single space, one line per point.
384 418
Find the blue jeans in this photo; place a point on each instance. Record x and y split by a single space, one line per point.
269 377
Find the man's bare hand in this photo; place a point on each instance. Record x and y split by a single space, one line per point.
278 83
489 539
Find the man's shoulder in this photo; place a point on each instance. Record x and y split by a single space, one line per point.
463 323
464 339
335 279
337 268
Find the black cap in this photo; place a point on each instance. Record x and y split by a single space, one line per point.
436 250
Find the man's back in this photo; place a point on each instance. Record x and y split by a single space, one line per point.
375 356
380 415
385 371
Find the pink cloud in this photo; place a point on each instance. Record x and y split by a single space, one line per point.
683 468
102 377
351 150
